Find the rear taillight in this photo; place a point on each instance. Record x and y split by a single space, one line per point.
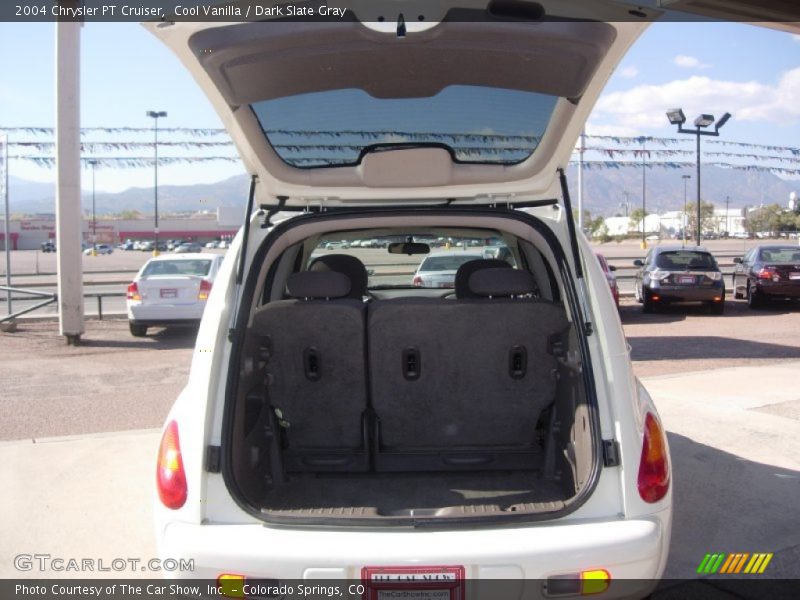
133 292
205 290
653 480
417 281
170 476
768 273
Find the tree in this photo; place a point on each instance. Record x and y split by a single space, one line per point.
764 219
637 216
707 221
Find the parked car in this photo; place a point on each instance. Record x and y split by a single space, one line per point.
48 246
438 270
188 247
172 244
679 274
170 290
491 430
100 248
212 244
767 272
610 276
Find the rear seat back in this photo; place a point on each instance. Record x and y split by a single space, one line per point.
463 382
316 374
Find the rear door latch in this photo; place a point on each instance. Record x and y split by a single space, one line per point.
610 453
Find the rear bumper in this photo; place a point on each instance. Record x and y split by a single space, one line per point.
688 294
165 313
780 289
627 549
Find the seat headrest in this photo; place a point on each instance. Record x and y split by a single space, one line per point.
501 283
466 270
348 265
318 284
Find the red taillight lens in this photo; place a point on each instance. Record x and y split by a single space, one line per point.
133 292
417 281
653 480
170 476
766 273
205 290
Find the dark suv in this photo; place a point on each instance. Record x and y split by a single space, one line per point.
676 274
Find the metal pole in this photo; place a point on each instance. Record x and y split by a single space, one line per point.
644 195
727 228
94 217
698 236
6 229
686 179
581 150
155 166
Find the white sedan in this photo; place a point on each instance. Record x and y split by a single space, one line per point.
171 290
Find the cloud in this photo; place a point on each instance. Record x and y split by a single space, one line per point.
628 72
644 106
689 62
796 37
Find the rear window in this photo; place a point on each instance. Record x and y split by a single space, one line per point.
197 268
446 263
685 259
786 254
478 124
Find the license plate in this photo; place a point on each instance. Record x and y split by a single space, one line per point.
169 293
413 583
794 275
686 279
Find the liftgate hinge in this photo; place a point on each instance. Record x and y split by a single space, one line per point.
213 459
610 453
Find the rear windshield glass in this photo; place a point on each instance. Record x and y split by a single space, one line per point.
479 124
198 268
685 259
448 250
446 263
785 254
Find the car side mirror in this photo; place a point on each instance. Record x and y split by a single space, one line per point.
638 263
612 268
738 260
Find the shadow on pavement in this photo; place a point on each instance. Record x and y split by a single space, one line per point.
158 338
705 347
669 313
724 503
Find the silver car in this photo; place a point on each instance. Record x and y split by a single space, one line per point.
438 270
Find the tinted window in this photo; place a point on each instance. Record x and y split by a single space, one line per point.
198 268
479 124
780 254
685 259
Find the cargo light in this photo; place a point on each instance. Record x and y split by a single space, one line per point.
170 476
231 585
205 289
653 479
585 583
133 292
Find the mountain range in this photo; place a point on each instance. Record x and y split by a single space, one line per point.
604 192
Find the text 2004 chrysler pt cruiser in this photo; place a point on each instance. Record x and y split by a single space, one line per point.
340 422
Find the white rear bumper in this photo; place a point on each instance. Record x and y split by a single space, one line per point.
627 549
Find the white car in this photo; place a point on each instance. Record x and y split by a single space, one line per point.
101 249
438 269
384 436
170 290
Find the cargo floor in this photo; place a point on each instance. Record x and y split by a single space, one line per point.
396 492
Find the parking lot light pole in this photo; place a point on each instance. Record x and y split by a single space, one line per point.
94 214
686 179
642 141
676 117
155 116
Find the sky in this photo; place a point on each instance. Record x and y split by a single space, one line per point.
751 72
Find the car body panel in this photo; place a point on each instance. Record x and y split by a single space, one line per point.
784 278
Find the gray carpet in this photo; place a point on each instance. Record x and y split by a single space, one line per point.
388 493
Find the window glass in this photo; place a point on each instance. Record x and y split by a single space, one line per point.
197 268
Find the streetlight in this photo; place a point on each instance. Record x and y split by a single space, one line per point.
94 218
676 117
686 178
155 116
642 141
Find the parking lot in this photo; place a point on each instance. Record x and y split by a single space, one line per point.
86 418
